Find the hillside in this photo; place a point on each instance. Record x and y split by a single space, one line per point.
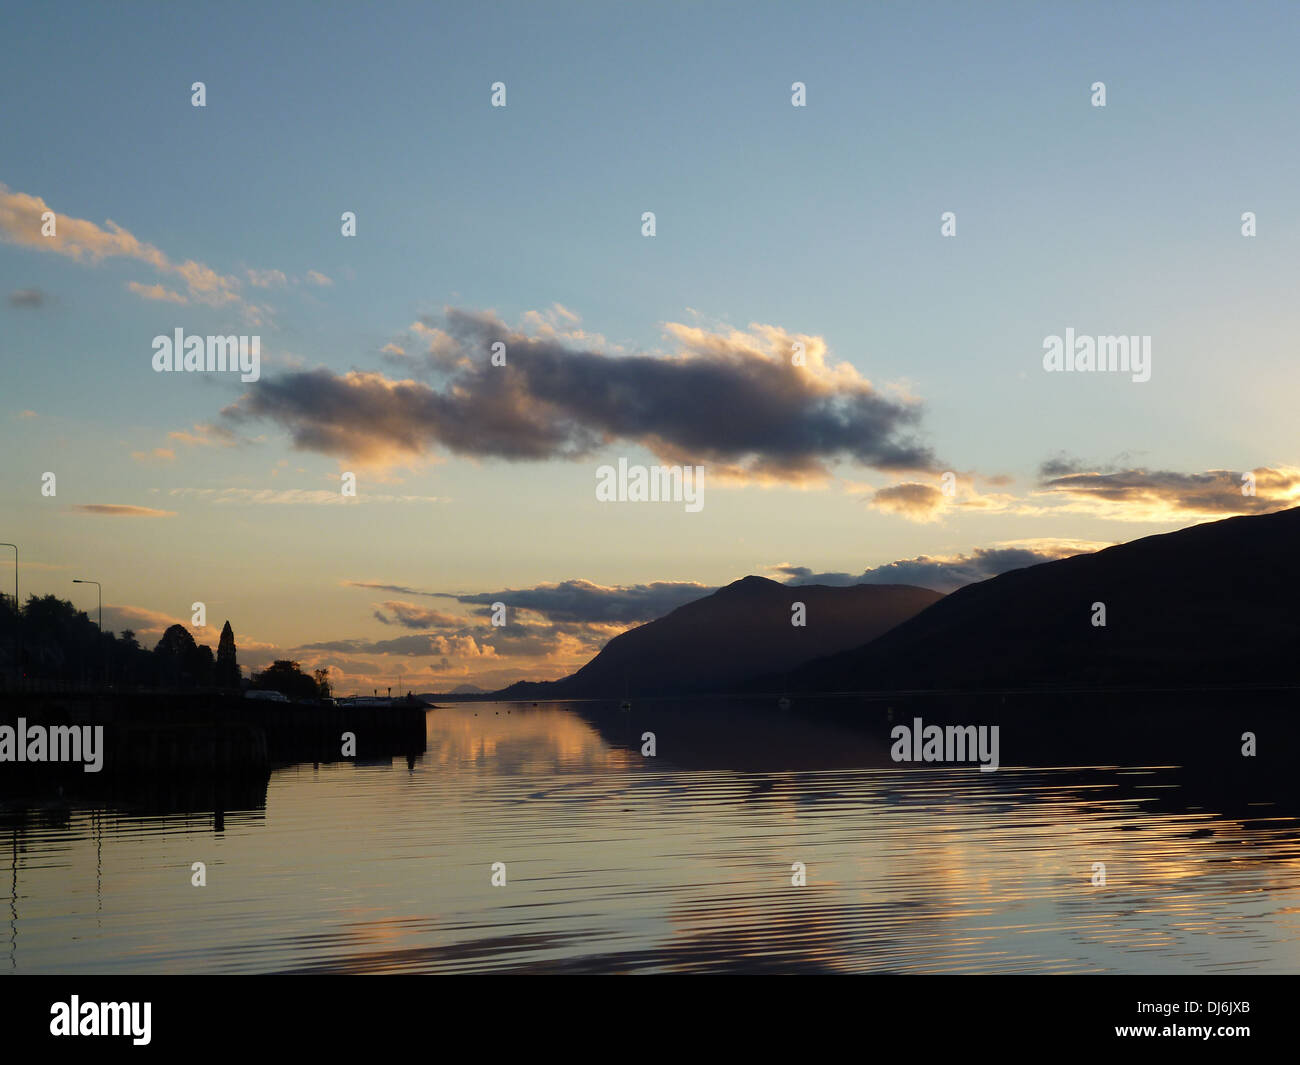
1212 604
709 646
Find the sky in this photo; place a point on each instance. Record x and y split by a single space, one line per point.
774 226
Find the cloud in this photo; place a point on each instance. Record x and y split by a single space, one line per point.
296 496
483 646
155 292
399 589
584 602
148 625
158 454
28 298
731 401
1165 495
413 616
917 502
317 278
119 510
266 278
90 243
948 573
920 502
44 566
204 435
426 644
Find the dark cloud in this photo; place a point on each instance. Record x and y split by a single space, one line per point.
1060 466
940 574
733 401
583 601
426 644
411 616
399 589
574 601
27 297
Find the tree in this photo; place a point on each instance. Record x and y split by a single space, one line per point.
205 666
181 662
227 671
323 687
287 678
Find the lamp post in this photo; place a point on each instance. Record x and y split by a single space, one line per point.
103 651
17 618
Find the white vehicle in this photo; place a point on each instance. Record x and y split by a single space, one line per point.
267 696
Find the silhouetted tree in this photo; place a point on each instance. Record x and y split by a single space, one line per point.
323 687
10 616
181 662
205 667
287 678
60 642
227 671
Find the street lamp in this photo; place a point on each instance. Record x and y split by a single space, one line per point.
104 651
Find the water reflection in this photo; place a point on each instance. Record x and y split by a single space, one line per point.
682 862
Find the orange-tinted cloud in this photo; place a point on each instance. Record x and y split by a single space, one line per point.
120 510
1165 495
89 243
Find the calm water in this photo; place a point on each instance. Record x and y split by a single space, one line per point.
615 862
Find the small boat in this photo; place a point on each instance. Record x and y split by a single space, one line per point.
784 702
626 704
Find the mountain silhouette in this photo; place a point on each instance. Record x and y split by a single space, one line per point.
1211 604
710 645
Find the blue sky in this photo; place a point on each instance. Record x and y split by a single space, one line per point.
820 221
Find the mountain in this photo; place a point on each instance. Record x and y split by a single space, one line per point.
708 646
1212 604
467 689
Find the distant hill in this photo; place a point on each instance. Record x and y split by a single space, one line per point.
1212 604
710 645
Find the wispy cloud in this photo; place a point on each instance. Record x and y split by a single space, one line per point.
414 616
1166 495
121 510
577 601
27 298
946 573
160 293
205 435
148 625
89 243
158 454
295 496
266 278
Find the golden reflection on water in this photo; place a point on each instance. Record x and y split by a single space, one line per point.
620 863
